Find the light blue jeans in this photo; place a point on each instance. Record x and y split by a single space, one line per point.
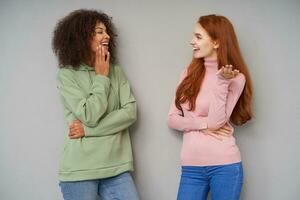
119 187
223 181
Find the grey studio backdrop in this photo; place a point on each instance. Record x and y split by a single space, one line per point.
153 49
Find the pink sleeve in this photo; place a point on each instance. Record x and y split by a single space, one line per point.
225 97
177 121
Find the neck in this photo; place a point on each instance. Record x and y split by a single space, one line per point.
90 63
211 64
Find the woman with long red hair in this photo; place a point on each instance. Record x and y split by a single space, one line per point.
214 92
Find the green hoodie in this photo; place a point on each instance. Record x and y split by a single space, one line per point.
106 107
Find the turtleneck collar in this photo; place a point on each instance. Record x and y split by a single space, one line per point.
211 65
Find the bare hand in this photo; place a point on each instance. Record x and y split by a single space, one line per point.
76 130
219 133
102 61
227 72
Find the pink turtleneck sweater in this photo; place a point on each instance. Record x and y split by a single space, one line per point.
214 105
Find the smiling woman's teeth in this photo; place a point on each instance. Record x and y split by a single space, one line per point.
105 44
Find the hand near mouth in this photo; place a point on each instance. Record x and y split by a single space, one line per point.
102 61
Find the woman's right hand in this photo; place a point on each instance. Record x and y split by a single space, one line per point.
102 61
219 133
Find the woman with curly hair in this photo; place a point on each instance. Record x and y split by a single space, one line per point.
98 106
213 91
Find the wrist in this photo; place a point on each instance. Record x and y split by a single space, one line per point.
100 73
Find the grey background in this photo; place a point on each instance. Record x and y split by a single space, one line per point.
153 49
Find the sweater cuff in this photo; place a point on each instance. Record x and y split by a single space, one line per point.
87 132
221 80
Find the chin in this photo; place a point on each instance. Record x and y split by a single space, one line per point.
197 56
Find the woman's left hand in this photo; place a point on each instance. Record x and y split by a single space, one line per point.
76 130
224 131
228 72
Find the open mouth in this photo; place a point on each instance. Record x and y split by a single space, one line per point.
105 43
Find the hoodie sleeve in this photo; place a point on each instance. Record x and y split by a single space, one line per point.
177 121
86 107
117 120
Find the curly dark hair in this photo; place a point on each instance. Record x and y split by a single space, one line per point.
73 33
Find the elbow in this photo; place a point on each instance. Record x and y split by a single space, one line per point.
132 112
170 121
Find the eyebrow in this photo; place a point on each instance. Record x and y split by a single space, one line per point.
100 28
197 34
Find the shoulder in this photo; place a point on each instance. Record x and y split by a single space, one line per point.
65 73
183 74
118 70
184 71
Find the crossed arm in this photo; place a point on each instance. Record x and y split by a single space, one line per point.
230 84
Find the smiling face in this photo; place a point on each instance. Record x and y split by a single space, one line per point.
100 38
202 44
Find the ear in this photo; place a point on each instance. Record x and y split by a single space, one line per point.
216 44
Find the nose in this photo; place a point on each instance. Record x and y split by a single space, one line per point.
107 36
192 42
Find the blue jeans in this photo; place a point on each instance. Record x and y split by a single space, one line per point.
120 187
223 181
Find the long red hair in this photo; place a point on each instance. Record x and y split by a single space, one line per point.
219 29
